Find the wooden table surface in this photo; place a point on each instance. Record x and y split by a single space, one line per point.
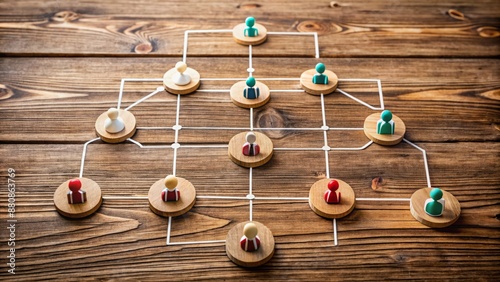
61 66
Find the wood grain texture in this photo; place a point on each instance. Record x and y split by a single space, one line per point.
61 64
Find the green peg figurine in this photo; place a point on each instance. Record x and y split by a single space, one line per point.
251 92
319 77
250 31
434 206
385 124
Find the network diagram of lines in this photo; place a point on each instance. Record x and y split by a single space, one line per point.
317 195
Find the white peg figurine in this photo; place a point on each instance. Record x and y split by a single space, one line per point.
181 78
114 123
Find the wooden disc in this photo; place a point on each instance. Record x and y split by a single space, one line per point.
240 101
166 209
246 40
250 259
450 214
94 199
321 208
173 88
127 132
370 128
318 89
236 150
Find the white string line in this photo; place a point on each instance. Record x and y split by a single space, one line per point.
84 153
154 128
196 242
257 198
282 198
250 193
250 69
426 165
122 85
325 136
258 129
158 90
168 229
186 35
251 119
124 198
287 90
222 197
148 146
359 79
204 146
384 199
213 90
358 100
335 240
353 149
298 149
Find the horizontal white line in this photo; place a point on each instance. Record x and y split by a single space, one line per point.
195 242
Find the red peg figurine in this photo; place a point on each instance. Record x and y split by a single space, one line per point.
330 194
76 195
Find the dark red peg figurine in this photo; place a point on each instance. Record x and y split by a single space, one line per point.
330 194
76 195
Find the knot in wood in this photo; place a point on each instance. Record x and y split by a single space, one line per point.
66 16
318 26
5 92
143 48
248 6
334 4
272 118
456 14
488 32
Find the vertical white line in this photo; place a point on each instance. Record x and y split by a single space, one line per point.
323 110
381 95
84 153
316 44
250 60
184 53
335 238
327 165
251 119
122 85
178 113
251 209
168 229
250 180
174 163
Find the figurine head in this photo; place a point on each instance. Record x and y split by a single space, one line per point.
250 230
436 194
181 67
250 21
250 82
320 68
333 185
74 185
386 116
113 113
171 182
250 137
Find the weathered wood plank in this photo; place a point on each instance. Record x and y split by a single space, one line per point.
126 240
346 29
461 97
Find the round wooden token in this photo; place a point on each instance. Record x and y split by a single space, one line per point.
94 199
239 37
321 208
318 89
127 132
370 128
167 209
450 214
236 92
236 150
173 88
250 259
